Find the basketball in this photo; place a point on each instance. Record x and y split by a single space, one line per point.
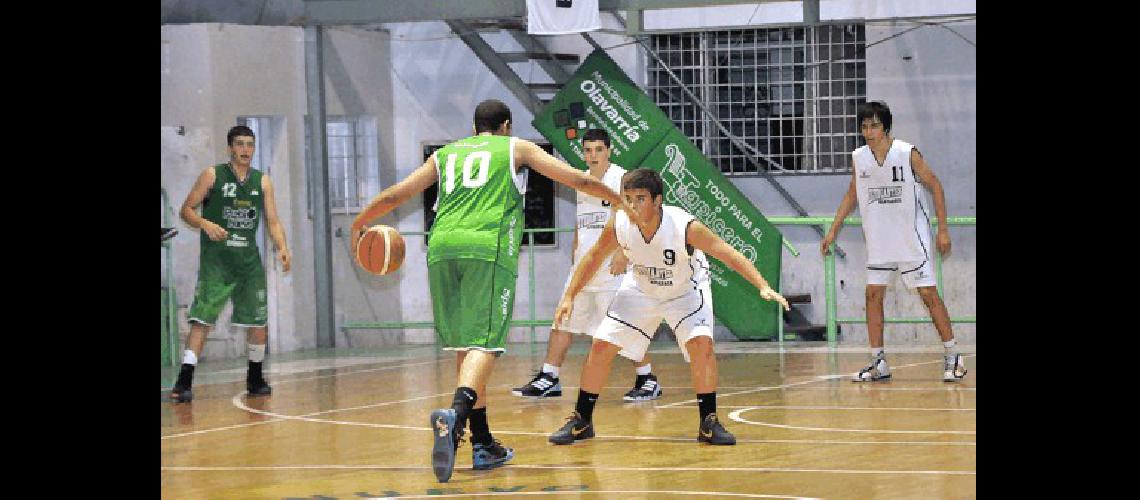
381 250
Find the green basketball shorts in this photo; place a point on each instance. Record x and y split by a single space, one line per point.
222 276
473 301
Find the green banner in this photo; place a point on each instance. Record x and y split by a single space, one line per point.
600 95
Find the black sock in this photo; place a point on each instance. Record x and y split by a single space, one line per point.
462 402
480 431
253 372
585 405
185 376
707 404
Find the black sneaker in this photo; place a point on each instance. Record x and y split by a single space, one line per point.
255 383
446 440
543 385
713 432
576 429
181 394
258 387
168 232
645 388
489 456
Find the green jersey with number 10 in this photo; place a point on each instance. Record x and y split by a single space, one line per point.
479 203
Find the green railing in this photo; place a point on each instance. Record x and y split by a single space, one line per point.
170 301
829 274
828 268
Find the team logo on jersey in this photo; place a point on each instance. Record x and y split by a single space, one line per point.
885 195
605 203
596 220
657 275
864 174
240 218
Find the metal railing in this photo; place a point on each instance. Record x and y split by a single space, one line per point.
829 282
171 300
829 274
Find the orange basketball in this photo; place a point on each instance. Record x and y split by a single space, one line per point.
380 250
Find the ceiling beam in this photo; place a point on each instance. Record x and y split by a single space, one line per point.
330 12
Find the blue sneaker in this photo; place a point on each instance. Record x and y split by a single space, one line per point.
489 456
446 440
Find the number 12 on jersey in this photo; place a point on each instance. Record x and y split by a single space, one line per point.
471 179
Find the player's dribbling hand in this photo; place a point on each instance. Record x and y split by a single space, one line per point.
943 242
767 293
214 231
565 307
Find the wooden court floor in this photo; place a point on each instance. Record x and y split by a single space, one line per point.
355 425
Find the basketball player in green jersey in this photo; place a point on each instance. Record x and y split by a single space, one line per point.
473 262
233 197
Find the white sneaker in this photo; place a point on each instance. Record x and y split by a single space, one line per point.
955 368
877 370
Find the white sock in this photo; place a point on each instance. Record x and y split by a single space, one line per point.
188 357
551 369
645 370
877 352
949 346
256 352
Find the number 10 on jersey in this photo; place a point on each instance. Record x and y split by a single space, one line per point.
470 179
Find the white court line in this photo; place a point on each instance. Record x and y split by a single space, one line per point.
236 400
774 407
854 386
818 378
584 467
735 416
864 387
389 367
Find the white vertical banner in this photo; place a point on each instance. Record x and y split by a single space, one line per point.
559 17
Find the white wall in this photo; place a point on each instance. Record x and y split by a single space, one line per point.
422 84
214 73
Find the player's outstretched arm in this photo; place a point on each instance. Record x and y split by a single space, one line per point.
586 270
396 194
700 237
528 153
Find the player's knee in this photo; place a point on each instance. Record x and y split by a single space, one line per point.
601 347
929 294
876 293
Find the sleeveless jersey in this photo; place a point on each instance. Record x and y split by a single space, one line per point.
479 202
235 206
896 222
593 213
662 267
